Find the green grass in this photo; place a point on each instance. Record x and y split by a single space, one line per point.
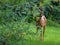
52 36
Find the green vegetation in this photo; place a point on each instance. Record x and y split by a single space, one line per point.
12 34
17 22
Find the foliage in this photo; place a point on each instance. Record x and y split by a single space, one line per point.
52 11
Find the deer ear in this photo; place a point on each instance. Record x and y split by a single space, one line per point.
41 8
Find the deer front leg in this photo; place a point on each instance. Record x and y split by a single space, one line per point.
43 31
41 35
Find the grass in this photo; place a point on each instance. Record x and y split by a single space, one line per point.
52 36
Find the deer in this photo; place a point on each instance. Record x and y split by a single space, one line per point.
41 23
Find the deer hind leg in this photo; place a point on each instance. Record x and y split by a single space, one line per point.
37 29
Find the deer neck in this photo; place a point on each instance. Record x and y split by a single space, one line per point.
41 15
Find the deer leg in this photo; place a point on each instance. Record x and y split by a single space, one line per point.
43 30
37 28
41 34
